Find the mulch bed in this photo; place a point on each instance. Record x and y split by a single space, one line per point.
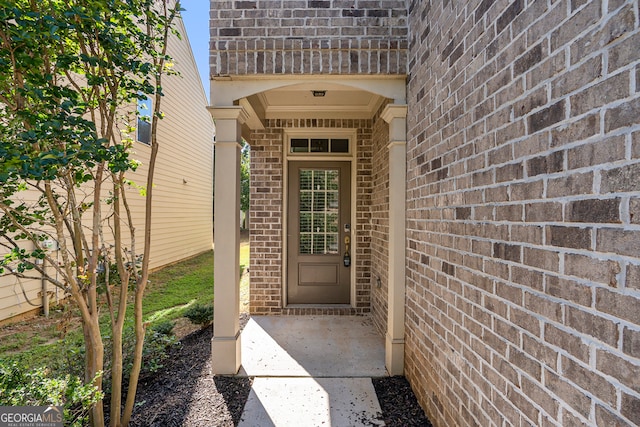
399 405
184 393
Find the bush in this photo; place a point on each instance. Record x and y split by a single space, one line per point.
158 340
200 314
21 387
164 327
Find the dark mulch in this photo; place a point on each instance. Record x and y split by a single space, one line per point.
184 393
398 403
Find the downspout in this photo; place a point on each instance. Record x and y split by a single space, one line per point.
45 297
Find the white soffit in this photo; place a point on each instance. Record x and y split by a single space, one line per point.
298 101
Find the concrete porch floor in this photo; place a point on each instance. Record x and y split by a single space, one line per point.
311 371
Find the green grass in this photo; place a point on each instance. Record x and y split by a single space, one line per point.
174 288
170 291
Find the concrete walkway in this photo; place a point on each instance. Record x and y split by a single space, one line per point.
311 371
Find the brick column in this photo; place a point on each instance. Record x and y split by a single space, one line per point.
396 116
225 354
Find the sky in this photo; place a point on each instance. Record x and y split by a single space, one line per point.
196 20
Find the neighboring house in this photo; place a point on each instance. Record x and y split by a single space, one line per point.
183 190
479 162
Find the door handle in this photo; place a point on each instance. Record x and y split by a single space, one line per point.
346 259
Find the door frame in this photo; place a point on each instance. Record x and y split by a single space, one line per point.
351 157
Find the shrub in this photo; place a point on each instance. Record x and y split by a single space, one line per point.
158 340
164 327
23 387
200 314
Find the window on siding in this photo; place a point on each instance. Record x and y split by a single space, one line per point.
144 120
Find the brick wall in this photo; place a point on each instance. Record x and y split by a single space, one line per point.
265 221
523 269
308 36
380 222
266 213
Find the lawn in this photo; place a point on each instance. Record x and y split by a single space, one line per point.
52 342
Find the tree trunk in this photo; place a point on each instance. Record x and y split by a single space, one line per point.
94 364
137 356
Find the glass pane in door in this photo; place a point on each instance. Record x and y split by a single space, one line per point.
319 206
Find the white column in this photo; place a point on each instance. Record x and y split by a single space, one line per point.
396 116
225 354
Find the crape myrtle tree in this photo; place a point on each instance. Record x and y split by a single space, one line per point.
71 74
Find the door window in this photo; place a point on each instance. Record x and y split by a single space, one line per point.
319 208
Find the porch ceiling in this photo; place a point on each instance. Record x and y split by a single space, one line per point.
298 101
